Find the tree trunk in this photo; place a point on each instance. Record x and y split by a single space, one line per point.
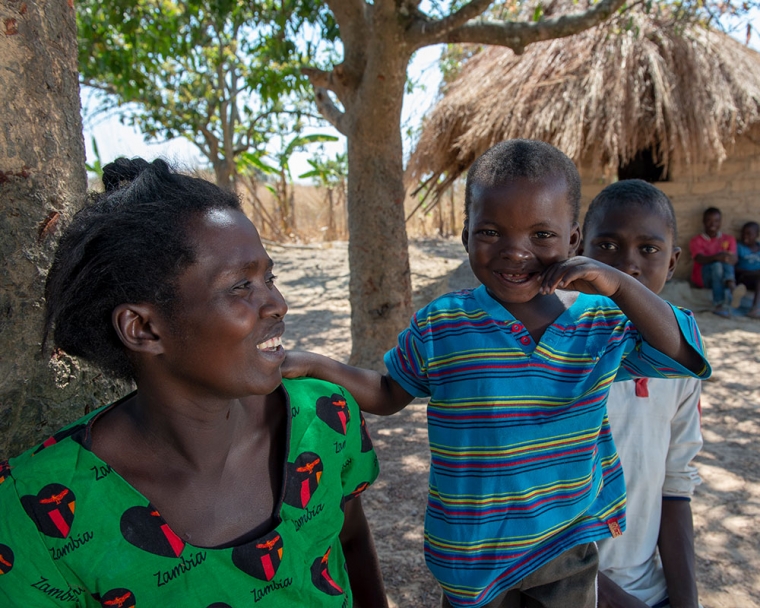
225 173
42 181
452 211
330 234
380 284
441 226
292 209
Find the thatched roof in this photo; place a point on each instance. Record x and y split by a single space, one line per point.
601 96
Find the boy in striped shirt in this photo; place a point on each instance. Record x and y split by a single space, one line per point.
524 475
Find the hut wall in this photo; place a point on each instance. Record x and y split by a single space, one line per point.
733 187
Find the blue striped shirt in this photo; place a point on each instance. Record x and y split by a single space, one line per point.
523 466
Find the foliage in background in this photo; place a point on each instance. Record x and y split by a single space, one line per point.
96 166
217 72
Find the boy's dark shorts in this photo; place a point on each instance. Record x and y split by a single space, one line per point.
748 278
568 580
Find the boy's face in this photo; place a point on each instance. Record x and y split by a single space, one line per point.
636 241
749 235
711 222
517 230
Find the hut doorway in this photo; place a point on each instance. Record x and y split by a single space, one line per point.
643 166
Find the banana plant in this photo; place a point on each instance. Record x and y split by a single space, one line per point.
330 174
274 168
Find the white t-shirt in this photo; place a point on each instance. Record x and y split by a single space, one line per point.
657 436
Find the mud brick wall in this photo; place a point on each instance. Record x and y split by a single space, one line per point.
733 187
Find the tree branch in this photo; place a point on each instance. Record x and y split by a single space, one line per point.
333 80
424 27
346 11
319 78
518 34
352 19
329 110
106 88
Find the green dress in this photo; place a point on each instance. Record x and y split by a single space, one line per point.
75 533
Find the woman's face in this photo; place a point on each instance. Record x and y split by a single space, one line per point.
225 333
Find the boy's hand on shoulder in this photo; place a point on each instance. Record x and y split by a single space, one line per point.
297 364
584 275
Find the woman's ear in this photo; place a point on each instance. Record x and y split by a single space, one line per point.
138 327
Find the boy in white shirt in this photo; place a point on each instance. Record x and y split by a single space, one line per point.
655 423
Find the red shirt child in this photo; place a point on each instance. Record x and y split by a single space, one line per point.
707 245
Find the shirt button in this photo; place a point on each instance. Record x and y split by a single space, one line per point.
517 327
525 340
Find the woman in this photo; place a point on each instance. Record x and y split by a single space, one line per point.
215 483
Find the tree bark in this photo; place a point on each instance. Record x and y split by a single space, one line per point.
380 283
42 181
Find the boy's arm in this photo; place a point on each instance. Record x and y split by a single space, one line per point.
721 256
676 545
613 596
361 558
676 537
652 316
374 392
654 319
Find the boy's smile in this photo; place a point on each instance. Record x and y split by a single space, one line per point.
636 241
515 231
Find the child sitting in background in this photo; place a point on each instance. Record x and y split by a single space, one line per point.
748 264
631 226
714 255
524 475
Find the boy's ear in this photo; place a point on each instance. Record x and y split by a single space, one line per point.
138 328
675 254
580 247
575 240
466 235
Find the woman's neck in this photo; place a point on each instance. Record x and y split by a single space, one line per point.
192 433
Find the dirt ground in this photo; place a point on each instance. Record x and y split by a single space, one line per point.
726 506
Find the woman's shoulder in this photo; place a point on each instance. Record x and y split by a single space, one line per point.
313 389
311 398
60 452
322 411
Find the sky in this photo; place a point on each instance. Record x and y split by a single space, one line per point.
114 139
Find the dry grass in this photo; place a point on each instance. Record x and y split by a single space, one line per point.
437 218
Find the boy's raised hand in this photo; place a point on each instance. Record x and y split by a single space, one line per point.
652 316
582 274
